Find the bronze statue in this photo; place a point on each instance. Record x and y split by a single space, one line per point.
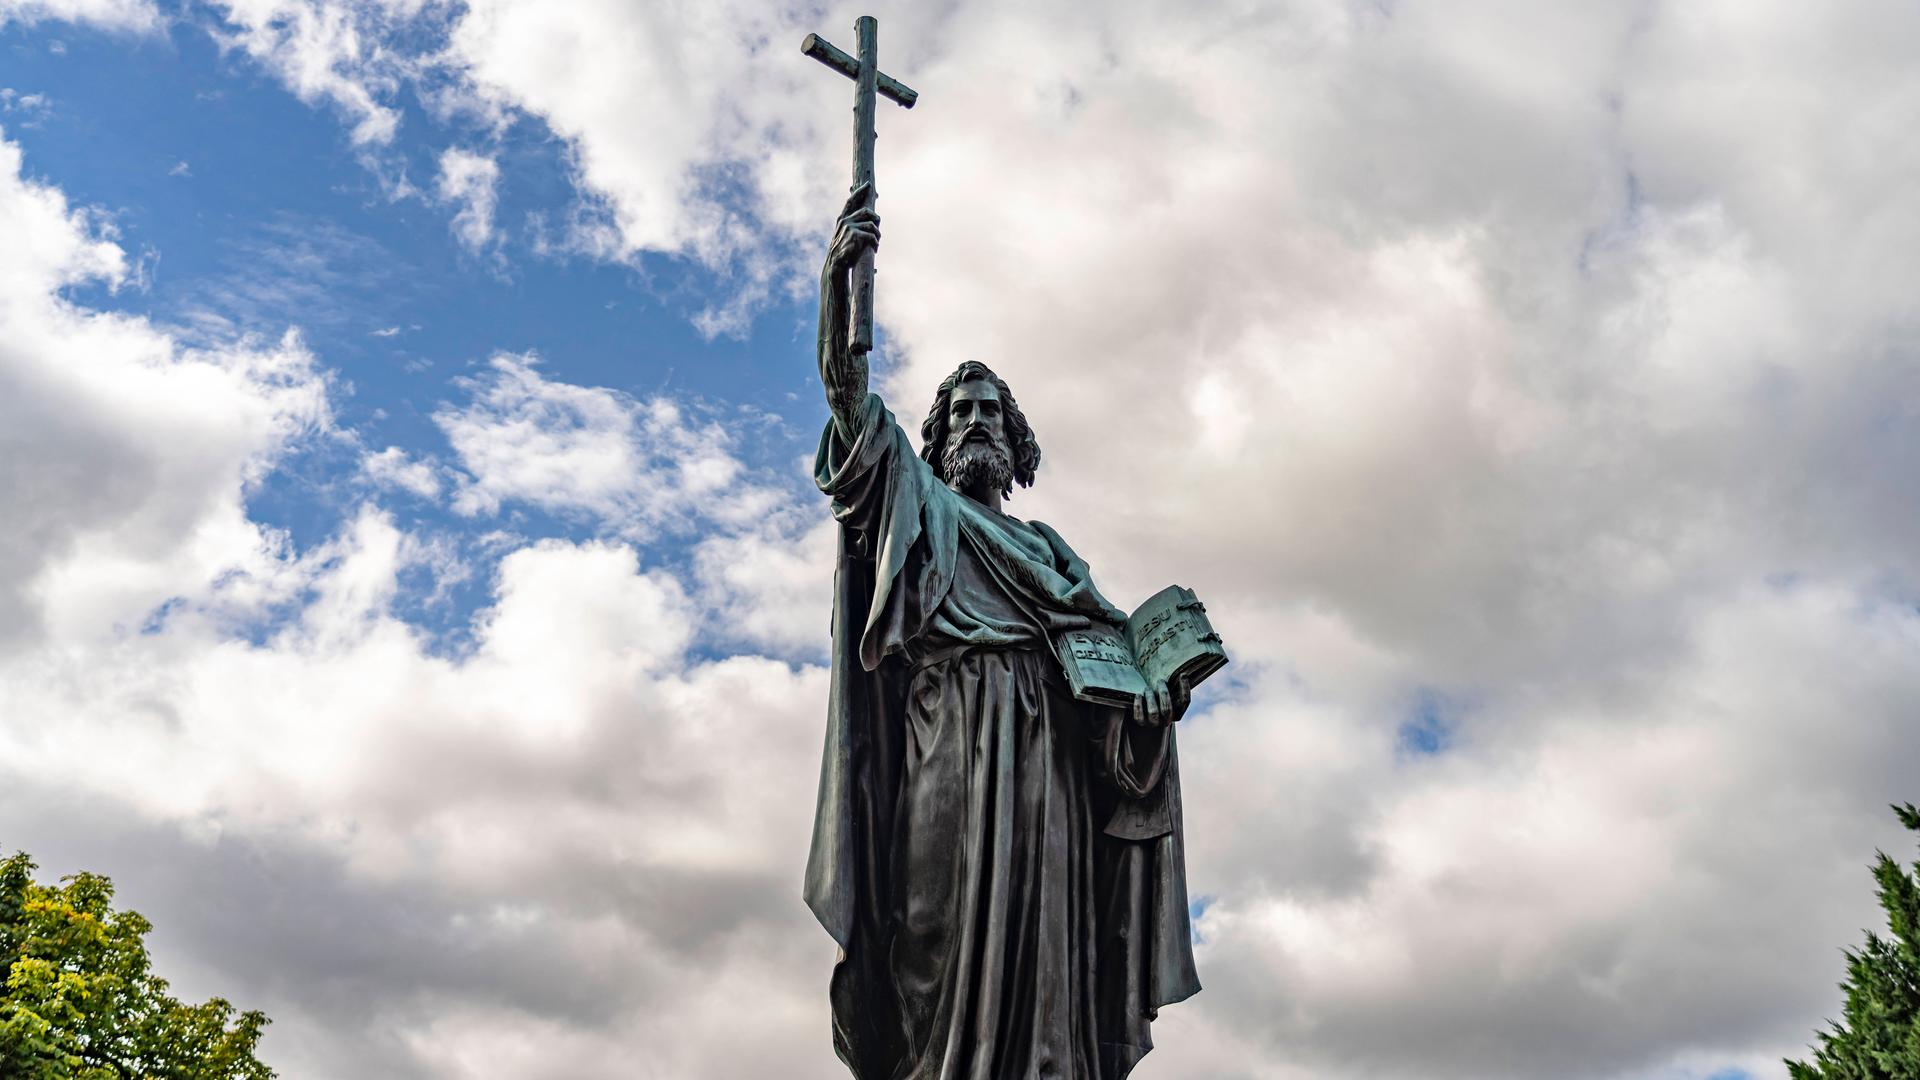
999 860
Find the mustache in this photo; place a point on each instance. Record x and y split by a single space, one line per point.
981 447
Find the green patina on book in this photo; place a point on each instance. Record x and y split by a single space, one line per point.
1166 638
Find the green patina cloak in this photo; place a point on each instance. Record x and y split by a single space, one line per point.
901 538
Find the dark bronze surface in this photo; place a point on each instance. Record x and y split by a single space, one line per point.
1001 863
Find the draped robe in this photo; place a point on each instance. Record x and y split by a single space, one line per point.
1001 864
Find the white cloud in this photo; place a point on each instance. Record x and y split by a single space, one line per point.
1553 362
672 75
469 180
393 467
127 455
337 53
772 586
1501 355
33 106
131 15
1581 854
577 787
593 453
648 189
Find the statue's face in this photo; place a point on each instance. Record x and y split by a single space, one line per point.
973 413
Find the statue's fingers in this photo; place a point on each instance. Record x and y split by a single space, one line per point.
861 195
1139 715
1166 703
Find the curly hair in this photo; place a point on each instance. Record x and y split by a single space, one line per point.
933 433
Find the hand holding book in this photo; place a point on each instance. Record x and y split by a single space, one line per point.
1165 649
1163 703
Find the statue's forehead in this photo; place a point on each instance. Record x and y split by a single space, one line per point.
976 390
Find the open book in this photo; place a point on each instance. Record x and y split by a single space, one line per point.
1165 638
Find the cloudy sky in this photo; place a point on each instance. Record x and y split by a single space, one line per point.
411 592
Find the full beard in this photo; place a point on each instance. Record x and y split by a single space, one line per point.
980 463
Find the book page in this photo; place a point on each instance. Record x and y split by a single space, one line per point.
1170 635
1099 664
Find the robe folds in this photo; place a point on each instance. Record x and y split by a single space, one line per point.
1001 864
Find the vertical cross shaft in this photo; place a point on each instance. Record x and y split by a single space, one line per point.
868 80
867 29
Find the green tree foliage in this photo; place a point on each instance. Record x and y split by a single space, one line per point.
1879 1039
81 1002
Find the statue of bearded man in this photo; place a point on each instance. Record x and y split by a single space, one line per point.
1000 862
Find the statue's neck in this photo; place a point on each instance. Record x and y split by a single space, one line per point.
982 494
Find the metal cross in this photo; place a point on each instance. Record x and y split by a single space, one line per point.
867 78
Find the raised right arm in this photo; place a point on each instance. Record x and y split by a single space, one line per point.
843 371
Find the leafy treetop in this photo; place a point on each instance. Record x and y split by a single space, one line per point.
80 1001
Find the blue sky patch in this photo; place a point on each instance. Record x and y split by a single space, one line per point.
165 137
1429 729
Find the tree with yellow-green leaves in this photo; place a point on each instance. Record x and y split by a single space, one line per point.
81 1002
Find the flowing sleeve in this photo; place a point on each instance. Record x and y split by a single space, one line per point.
898 537
854 473
893 515
1134 756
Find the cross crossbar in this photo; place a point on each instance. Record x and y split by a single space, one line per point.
889 87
